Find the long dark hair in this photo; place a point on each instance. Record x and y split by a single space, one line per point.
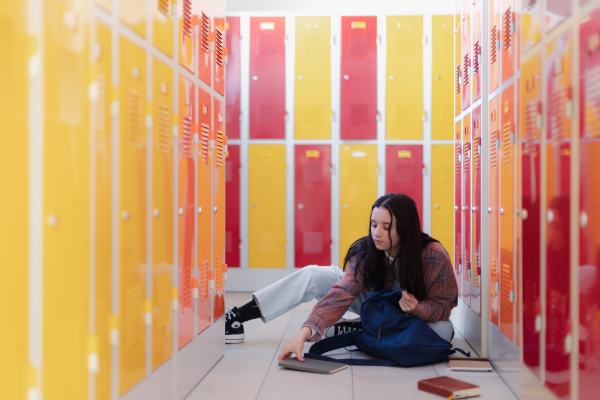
407 266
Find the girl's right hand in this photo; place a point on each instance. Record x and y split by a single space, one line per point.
296 345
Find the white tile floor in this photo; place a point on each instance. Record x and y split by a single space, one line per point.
249 371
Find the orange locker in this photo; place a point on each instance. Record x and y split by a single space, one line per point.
185 19
507 214
495 44
476 81
457 58
465 210
203 25
220 58
476 186
509 27
466 54
218 195
204 209
185 209
493 211
457 205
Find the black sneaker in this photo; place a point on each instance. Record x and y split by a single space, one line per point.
343 326
234 330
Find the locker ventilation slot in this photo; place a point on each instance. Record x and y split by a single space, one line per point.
457 159
477 156
507 33
466 160
592 102
404 172
447 43
188 146
70 109
447 176
359 114
133 326
313 115
228 172
359 43
267 114
266 44
162 300
493 39
205 34
219 274
312 242
506 145
187 17
204 138
186 287
466 64
531 4
163 134
267 242
203 295
228 241
219 48
311 172
476 267
531 113
405 114
476 53
493 276
99 110
405 44
164 6
558 117
359 172
506 284
493 149
446 111
135 125
313 44
219 149
458 79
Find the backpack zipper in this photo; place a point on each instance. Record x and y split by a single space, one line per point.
379 333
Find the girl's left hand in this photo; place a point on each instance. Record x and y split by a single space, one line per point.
409 304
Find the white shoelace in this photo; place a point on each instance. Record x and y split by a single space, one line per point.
229 315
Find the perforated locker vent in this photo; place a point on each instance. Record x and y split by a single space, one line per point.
228 241
164 6
359 114
446 111
359 172
558 119
267 242
219 274
203 271
457 163
404 171
163 137
531 114
476 53
493 149
188 145
134 120
592 102
476 267
466 65
493 49
228 172
219 44
204 139
467 161
99 108
530 4
187 17
162 300
71 79
405 114
477 155
266 44
405 43
507 32
133 326
267 114
220 149
457 75
205 33
313 44
448 43
493 276
312 242
359 43
506 284
186 287
313 115
506 143
311 172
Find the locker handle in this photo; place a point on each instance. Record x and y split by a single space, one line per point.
199 210
583 219
255 78
524 214
300 77
346 77
489 210
502 211
156 213
437 206
392 77
473 209
455 207
437 77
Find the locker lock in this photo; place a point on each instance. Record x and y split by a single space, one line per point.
254 206
489 210
437 77
392 77
300 206
181 211
524 214
502 211
300 77
583 219
464 208
156 212
473 209
438 206
52 220
346 77
216 208
199 210
550 216
346 206
255 78
126 215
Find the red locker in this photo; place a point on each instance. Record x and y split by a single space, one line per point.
204 213
495 44
466 209
509 27
232 205
358 111
218 193
267 78
187 187
457 204
556 12
494 221
232 87
589 192
219 37
457 58
558 199
203 43
477 48
476 212
466 54
531 124
313 205
404 172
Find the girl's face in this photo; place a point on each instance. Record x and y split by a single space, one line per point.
383 227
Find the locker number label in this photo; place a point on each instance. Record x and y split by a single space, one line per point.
404 154
358 25
267 26
312 153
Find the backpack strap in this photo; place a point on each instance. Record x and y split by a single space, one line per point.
317 350
464 353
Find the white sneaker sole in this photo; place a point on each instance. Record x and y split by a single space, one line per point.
230 339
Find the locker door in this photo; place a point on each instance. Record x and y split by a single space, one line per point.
476 213
14 209
467 167
404 88
132 215
162 26
476 49
558 148
220 46
232 205
518 207
267 83
589 236
358 107
186 12
232 88
358 192
313 78
441 90
133 14
532 24
442 183
162 213
556 12
218 195
313 205
509 27
494 212
495 44
267 206
204 207
101 66
466 54
185 210
458 149
531 124
457 58
507 215
66 229
404 167
204 41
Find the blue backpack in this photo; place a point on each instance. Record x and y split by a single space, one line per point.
389 334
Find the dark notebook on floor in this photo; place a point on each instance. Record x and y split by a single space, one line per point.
310 365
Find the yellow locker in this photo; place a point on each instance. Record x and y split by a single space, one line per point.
66 190
404 78
162 213
313 78
442 98
14 208
267 206
162 25
100 96
132 215
358 192
442 199
133 14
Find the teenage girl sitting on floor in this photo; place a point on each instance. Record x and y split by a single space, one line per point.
395 254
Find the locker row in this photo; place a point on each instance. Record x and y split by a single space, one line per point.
313 44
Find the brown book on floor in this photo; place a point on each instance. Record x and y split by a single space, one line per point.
469 364
311 365
445 386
